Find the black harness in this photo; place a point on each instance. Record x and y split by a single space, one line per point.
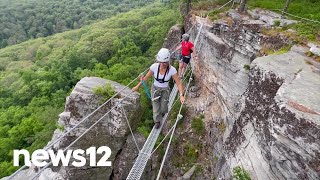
163 79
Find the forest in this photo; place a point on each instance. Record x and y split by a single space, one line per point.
37 75
29 19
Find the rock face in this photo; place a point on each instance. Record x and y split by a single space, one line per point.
277 133
111 131
127 158
173 37
270 106
47 174
315 49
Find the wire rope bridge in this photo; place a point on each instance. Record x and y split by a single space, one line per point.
147 150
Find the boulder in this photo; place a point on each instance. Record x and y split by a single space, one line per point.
234 15
315 50
188 174
112 130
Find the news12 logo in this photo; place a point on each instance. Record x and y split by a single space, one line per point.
42 157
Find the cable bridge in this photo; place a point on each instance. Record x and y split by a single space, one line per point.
148 148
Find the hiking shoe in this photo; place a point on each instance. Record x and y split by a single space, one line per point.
157 125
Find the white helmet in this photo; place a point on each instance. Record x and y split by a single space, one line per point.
163 55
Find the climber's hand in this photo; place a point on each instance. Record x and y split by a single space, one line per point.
135 88
182 99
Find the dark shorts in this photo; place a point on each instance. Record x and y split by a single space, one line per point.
186 59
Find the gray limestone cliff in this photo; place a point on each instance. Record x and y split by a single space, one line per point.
269 105
261 114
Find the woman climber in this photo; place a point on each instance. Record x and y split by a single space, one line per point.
187 48
162 72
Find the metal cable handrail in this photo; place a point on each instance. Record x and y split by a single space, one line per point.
306 19
134 139
174 127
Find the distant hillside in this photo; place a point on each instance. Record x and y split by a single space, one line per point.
21 20
37 75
